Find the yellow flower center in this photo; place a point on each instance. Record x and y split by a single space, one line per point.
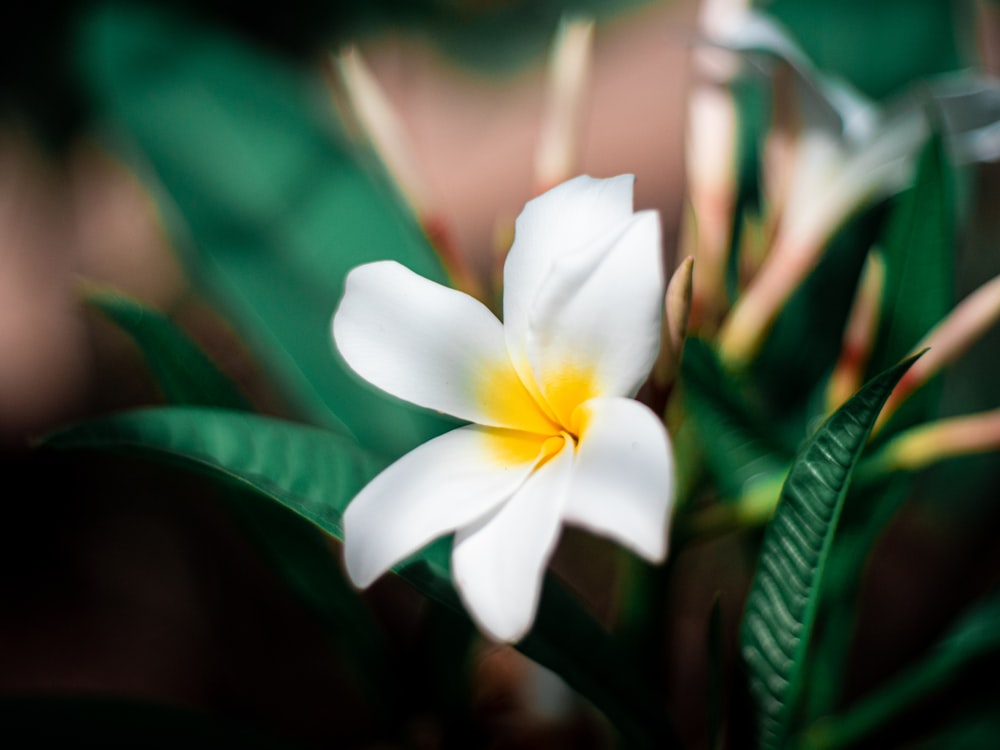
539 424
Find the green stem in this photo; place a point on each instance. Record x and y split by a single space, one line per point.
831 733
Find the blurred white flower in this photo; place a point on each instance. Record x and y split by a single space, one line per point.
830 151
555 437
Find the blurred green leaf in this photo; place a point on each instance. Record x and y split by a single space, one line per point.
567 640
919 247
738 443
92 721
879 47
806 337
270 205
316 473
866 514
976 729
183 372
295 549
973 639
781 607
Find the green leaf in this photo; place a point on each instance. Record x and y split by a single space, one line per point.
184 373
264 196
92 721
977 728
974 638
298 551
919 249
805 340
867 513
739 444
781 606
879 47
316 473
567 640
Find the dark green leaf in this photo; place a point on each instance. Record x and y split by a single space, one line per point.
973 638
270 205
781 607
739 444
919 247
867 513
309 567
976 729
567 640
879 47
181 369
805 340
297 550
316 473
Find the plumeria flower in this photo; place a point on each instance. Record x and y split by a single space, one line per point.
831 151
555 436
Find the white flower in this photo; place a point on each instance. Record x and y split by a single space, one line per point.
555 437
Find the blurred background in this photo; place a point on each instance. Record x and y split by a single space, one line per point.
145 147
121 580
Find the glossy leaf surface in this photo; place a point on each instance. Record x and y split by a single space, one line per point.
781 607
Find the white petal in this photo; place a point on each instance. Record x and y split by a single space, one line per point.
499 563
598 317
430 345
446 483
623 479
556 224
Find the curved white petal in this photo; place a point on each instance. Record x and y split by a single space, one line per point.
499 563
597 317
623 480
557 224
446 483
430 345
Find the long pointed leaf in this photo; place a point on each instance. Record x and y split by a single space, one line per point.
184 373
919 251
781 607
314 472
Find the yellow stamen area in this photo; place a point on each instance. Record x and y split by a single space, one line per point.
513 447
565 390
535 428
506 400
